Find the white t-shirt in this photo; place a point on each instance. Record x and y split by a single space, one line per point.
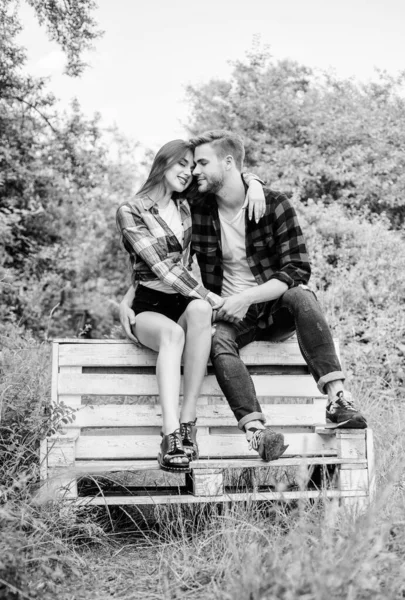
171 215
237 273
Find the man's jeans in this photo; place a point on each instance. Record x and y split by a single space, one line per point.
296 310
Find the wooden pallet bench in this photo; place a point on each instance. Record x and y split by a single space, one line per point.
111 388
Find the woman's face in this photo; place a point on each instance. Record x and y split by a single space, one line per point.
179 176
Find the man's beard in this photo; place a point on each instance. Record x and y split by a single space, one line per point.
213 184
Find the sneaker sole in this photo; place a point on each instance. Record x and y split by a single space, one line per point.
345 425
272 447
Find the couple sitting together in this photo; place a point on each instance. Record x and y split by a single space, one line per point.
254 275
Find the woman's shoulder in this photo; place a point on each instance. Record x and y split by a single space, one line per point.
136 204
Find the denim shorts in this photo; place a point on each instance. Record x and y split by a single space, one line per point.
170 305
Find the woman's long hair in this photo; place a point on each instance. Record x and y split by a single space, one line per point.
167 156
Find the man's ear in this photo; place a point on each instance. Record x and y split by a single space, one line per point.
229 162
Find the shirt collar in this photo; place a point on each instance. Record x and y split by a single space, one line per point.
148 203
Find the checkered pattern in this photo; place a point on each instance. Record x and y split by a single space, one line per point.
275 246
155 252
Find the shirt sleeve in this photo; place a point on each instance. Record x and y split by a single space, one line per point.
139 239
292 252
248 177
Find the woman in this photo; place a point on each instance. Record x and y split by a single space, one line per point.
173 309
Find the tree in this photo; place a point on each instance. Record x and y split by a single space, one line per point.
61 179
333 139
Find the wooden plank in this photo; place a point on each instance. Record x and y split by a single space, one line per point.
228 497
72 400
55 373
109 385
219 415
208 482
106 466
372 483
129 447
114 353
351 443
354 479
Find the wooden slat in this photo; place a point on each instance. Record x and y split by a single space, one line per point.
113 384
110 466
119 353
145 446
217 415
55 371
236 497
372 484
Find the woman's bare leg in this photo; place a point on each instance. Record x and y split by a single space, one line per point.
196 322
167 338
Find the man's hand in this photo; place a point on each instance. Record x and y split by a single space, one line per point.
127 318
234 309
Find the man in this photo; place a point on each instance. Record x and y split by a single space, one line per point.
262 270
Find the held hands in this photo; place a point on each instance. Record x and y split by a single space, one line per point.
233 309
127 319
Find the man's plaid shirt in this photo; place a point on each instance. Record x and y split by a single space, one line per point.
275 247
155 252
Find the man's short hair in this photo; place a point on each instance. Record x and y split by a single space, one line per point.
224 142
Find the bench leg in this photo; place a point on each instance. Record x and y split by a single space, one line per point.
61 480
354 480
206 482
351 443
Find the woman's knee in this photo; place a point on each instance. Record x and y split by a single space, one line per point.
199 312
172 335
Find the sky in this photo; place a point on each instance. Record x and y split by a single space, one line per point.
152 49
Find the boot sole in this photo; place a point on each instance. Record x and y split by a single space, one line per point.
178 469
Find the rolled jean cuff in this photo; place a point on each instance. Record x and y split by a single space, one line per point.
334 376
254 416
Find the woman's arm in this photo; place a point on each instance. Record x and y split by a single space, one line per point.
255 196
127 315
169 269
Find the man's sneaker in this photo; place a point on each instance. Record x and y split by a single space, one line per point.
342 413
268 443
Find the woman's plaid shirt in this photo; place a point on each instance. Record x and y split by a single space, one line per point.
275 247
154 250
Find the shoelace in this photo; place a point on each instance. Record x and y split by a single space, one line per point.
174 442
254 441
343 402
186 431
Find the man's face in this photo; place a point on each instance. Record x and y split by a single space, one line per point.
209 169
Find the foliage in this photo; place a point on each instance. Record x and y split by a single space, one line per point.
359 275
335 140
61 180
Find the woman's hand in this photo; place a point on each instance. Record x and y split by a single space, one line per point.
128 319
218 301
256 200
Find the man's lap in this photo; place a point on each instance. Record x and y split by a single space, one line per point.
247 330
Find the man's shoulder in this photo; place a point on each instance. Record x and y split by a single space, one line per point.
273 195
277 201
